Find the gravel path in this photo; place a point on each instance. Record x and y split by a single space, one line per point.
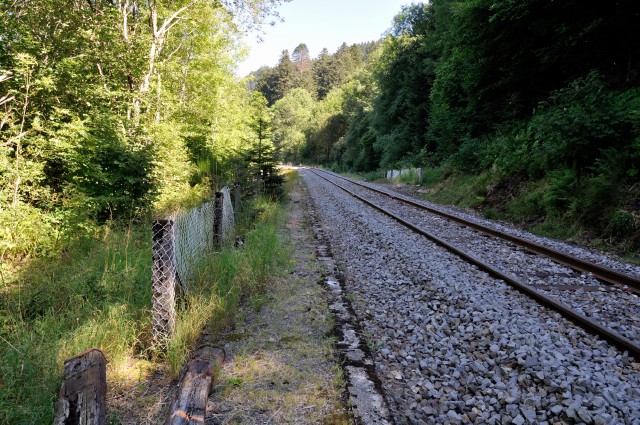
454 345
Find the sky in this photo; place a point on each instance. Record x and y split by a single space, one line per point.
319 24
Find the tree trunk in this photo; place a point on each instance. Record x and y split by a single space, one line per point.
158 37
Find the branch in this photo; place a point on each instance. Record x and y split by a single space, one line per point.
6 76
16 138
170 54
104 79
167 24
173 24
6 99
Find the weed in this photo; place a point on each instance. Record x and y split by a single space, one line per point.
411 177
620 223
463 190
375 345
492 214
526 207
369 176
432 176
226 277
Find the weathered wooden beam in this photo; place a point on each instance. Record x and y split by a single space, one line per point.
83 391
190 404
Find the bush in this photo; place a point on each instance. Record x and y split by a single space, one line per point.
560 192
529 206
621 223
597 200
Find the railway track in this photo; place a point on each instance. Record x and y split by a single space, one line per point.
394 205
603 273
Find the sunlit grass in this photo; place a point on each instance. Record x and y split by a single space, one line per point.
97 294
225 278
282 368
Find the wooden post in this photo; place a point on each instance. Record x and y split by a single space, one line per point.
190 404
218 236
83 391
164 282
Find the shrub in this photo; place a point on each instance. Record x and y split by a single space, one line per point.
560 191
621 223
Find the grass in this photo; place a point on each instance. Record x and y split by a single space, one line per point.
94 295
527 204
370 176
465 190
282 369
97 294
411 177
236 273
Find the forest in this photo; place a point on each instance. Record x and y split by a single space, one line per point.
531 109
117 112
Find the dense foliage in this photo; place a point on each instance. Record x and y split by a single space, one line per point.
114 112
114 109
540 99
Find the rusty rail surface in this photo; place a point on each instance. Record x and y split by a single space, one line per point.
583 321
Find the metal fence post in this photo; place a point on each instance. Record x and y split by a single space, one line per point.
237 200
218 235
164 282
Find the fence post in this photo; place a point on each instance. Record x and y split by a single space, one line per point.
164 281
218 236
237 200
83 391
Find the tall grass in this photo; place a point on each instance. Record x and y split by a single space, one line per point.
98 294
228 276
365 175
94 295
411 177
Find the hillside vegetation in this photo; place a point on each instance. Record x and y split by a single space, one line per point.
536 103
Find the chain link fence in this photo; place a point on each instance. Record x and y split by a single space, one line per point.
193 240
179 244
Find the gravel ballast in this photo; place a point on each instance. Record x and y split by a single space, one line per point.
612 306
454 345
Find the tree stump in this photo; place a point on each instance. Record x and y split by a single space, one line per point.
190 405
83 390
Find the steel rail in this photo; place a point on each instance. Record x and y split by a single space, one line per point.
601 272
583 321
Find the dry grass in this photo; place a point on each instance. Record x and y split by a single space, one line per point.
283 369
